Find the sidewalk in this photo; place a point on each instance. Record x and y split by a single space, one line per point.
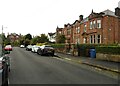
106 65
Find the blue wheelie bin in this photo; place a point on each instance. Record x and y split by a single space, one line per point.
92 53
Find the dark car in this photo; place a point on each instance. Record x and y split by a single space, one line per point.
4 69
46 50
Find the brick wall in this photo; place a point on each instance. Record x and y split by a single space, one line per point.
109 31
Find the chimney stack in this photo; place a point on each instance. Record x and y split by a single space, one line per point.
117 10
65 25
81 17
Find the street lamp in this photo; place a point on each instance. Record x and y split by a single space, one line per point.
2 38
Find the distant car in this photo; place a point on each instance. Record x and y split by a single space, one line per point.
29 47
22 46
8 48
35 48
45 50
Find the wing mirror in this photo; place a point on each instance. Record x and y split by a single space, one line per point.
7 52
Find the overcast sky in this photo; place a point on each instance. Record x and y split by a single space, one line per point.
43 16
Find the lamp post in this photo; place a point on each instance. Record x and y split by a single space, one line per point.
2 38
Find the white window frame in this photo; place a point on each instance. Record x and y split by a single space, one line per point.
78 30
99 24
94 24
85 27
94 39
84 40
91 25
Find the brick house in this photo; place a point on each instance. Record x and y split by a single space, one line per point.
13 37
97 28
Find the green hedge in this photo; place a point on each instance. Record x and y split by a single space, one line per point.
83 49
58 45
108 49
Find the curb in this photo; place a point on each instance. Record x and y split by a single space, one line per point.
93 65
101 67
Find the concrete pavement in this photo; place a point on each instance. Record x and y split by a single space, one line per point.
106 65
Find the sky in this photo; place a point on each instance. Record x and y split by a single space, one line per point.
43 16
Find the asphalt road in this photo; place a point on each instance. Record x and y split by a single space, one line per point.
30 68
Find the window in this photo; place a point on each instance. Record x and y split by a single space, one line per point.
85 40
60 32
94 24
91 39
91 25
68 32
78 30
85 26
78 40
94 39
98 23
98 39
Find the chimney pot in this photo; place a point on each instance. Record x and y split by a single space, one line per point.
81 17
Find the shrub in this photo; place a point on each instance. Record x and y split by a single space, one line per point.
58 45
108 49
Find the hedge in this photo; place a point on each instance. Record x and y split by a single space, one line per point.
83 49
108 49
58 45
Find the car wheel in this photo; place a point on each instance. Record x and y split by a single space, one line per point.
52 54
39 52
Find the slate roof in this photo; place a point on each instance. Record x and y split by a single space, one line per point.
109 12
51 34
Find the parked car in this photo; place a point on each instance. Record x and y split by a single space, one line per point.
45 50
35 48
22 46
8 48
29 47
4 70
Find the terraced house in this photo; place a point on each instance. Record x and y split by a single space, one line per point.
97 28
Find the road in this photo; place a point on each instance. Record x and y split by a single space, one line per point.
30 68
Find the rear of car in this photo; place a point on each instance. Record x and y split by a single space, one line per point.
8 48
46 50
29 47
22 46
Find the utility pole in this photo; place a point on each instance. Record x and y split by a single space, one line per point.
2 40
2 36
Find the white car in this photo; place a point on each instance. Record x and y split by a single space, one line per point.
35 48
22 46
29 47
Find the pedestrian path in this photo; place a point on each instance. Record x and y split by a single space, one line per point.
107 65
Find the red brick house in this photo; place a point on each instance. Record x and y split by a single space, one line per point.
97 28
13 37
